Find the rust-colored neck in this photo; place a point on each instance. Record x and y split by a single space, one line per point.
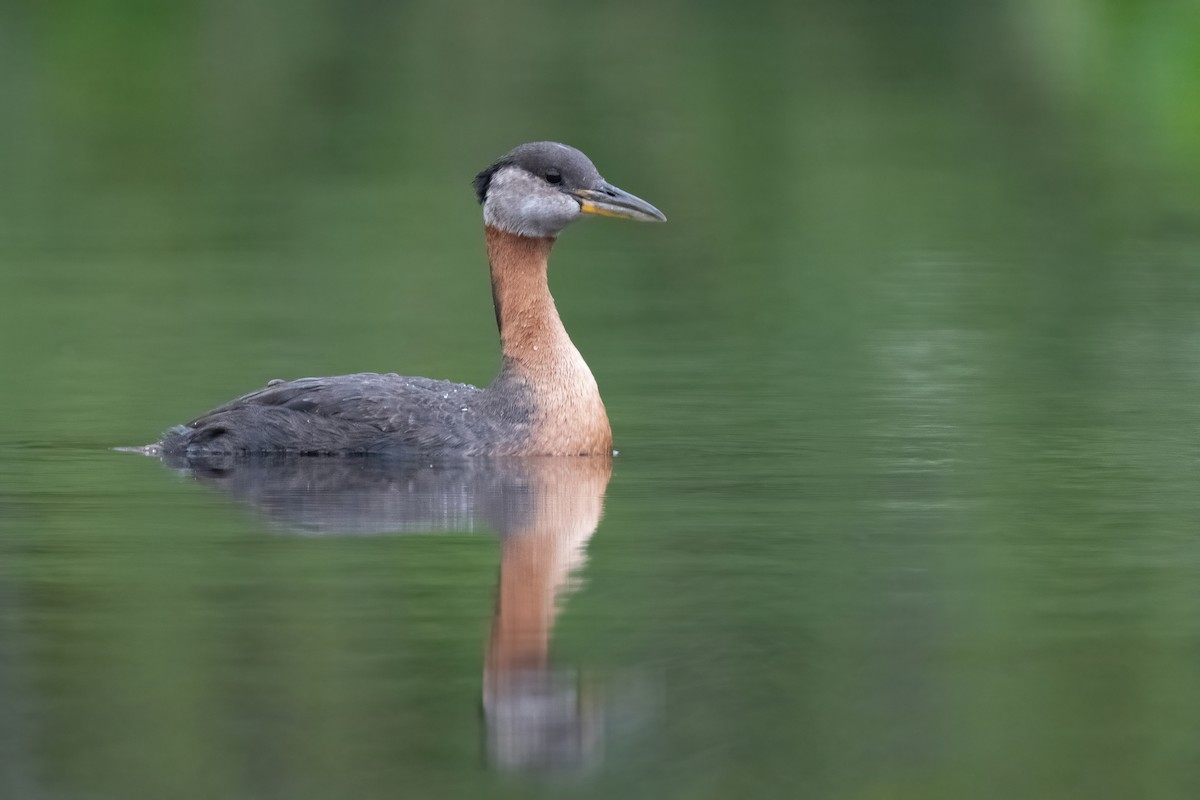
525 313
569 416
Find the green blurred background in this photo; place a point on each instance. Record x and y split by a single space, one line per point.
905 391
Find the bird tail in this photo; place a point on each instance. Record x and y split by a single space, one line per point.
163 445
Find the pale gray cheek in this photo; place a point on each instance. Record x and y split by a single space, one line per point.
541 215
552 214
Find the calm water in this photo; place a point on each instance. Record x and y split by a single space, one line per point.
905 394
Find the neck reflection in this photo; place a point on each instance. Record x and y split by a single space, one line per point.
537 716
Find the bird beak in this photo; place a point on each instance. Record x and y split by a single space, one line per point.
609 201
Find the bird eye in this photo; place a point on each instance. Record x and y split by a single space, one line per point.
553 176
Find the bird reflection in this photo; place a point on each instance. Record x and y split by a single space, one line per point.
545 510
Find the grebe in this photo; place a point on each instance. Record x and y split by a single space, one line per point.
544 401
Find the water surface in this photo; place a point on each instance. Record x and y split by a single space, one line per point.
904 394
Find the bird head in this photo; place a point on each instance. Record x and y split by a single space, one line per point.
539 188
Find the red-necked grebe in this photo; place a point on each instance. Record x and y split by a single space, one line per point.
544 401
